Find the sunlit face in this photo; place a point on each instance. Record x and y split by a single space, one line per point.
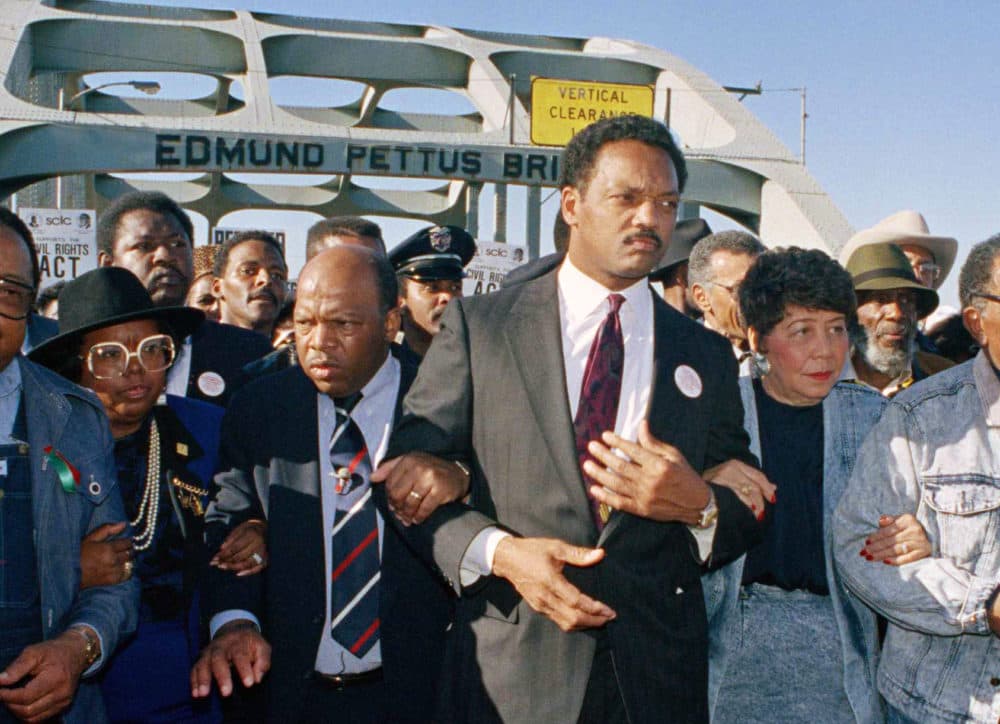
253 286
925 268
424 302
342 335
200 296
719 298
154 247
127 399
621 221
15 266
806 351
985 325
888 321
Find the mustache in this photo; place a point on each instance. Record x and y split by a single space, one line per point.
903 328
264 294
647 234
167 272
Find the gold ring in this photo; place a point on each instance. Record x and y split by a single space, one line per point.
127 568
415 494
746 490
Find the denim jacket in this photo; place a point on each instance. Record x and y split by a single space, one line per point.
936 454
849 412
72 421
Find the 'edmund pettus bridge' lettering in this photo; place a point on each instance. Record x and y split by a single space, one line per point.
187 151
445 162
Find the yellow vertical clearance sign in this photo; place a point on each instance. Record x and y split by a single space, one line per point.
561 108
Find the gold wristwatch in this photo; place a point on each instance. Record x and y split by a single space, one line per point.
92 650
709 514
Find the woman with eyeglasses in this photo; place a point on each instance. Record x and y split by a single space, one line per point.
114 341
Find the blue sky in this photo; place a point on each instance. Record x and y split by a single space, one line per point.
903 97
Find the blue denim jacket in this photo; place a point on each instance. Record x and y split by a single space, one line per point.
73 422
849 412
936 454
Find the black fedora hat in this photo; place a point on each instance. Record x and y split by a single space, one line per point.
101 298
687 233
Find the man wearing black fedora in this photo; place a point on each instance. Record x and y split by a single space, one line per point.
57 485
672 272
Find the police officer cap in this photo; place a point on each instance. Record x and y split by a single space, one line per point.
437 252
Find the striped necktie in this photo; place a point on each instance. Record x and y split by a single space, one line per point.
354 555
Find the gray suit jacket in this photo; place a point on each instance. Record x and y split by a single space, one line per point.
492 392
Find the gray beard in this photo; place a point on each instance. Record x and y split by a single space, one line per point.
889 362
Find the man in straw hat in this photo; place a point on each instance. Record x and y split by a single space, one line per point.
890 301
931 257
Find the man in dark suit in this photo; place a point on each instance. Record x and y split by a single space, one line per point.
149 234
580 586
282 459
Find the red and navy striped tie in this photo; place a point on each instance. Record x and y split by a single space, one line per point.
354 543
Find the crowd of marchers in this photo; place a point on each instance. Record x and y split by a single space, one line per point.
663 474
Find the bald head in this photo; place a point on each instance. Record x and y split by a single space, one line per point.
345 318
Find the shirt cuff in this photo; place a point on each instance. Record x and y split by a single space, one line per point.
704 538
234 614
478 559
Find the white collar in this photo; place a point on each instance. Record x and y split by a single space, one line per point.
583 296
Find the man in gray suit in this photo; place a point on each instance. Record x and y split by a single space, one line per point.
578 566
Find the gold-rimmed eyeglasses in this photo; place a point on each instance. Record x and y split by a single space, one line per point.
108 360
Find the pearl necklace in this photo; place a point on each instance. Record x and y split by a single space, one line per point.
149 508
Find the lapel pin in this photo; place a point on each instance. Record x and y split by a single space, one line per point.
688 382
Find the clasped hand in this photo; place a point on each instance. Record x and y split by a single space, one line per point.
654 480
417 483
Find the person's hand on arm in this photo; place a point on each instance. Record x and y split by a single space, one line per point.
417 484
749 484
899 540
238 645
104 558
40 683
655 481
244 551
534 566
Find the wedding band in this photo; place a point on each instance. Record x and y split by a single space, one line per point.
906 548
257 558
127 569
415 494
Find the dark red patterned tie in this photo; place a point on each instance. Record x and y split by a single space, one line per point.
599 393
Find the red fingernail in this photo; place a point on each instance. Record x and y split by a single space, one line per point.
887 561
868 541
761 516
753 507
869 556
863 553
